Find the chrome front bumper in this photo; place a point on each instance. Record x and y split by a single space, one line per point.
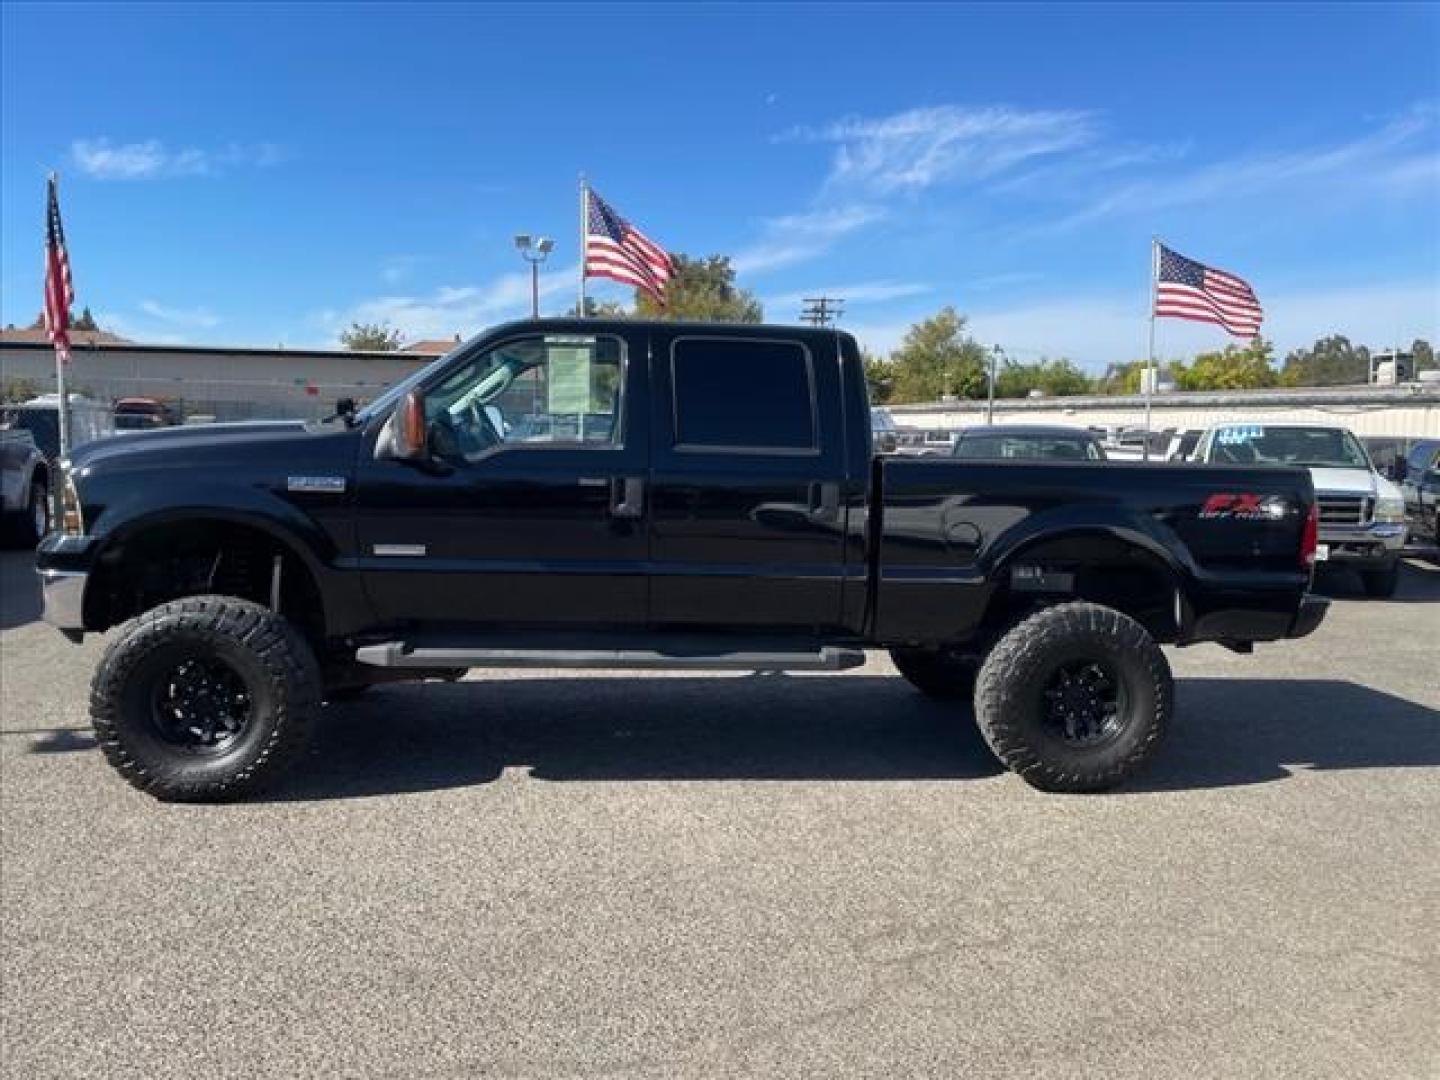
1373 540
63 592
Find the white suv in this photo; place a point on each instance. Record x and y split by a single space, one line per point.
1362 514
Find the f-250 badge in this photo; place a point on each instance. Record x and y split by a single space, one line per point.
1244 506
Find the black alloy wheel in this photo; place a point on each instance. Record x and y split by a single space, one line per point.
201 704
1084 703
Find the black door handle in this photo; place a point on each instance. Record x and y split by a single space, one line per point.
824 501
627 497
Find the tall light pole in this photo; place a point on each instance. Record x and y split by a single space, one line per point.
995 351
534 249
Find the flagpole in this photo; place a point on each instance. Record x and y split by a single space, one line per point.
61 359
584 213
1150 355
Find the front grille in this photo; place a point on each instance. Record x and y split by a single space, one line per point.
1343 509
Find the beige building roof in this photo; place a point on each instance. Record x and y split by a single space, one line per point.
15 335
432 346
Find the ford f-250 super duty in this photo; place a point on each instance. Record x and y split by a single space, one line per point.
646 495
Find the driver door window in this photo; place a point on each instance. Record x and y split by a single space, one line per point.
557 390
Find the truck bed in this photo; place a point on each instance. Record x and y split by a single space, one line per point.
954 535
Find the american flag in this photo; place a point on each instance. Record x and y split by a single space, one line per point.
616 249
59 289
1186 289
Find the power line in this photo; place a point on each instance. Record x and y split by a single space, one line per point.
822 310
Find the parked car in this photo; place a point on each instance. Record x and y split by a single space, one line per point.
89 420
1362 514
735 517
24 485
1027 442
143 413
1182 445
1129 443
1420 488
883 431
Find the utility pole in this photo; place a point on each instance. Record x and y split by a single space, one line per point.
822 310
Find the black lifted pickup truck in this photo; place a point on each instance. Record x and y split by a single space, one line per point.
594 494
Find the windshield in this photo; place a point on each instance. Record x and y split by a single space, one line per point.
1058 447
1320 447
388 399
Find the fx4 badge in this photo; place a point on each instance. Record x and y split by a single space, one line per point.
1244 506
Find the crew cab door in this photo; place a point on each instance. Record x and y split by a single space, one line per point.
533 508
748 479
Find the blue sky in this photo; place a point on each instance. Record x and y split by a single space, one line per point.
265 173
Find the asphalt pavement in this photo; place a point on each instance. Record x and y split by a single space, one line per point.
547 875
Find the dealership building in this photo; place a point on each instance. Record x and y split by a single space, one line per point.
219 382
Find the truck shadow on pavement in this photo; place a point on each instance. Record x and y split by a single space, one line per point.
19 589
760 727
771 727
1419 584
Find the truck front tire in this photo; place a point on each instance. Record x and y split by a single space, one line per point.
204 699
1074 698
934 674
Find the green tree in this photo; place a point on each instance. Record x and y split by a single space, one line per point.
879 377
1054 378
1121 378
937 359
1424 354
86 321
1236 367
600 309
370 337
703 290
1331 361
15 389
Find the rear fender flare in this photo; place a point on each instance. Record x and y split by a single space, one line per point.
1132 534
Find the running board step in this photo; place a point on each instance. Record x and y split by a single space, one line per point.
399 654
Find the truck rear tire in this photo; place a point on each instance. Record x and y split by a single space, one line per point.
1074 698
204 699
934 674
1381 584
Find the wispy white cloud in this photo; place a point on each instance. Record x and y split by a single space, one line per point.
105 159
863 292
796 238
451 309
1387 156
878 160
199 317
147 331
918 148
1100 161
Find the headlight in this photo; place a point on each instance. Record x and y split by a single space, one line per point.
1389 510
72 521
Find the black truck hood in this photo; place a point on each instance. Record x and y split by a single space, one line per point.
189 440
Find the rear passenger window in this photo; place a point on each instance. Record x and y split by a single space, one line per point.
743 395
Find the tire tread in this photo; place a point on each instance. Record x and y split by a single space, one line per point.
1002 675
294 675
